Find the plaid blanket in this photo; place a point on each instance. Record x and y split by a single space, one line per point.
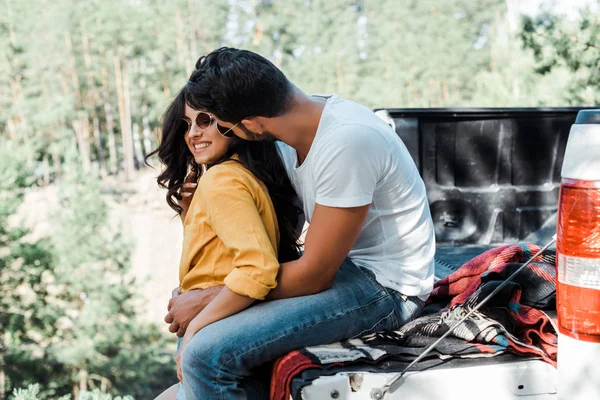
519 319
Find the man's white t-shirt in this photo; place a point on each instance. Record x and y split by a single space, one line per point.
357 159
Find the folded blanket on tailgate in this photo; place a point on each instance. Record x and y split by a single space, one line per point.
519 319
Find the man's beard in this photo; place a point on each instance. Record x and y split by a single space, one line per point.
253 136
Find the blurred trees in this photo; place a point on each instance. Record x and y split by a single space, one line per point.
96 75
68 313
572 46
27 313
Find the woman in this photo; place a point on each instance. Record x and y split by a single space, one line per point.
241 222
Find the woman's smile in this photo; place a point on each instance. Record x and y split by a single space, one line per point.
198 147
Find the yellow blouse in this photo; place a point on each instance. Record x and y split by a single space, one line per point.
230 234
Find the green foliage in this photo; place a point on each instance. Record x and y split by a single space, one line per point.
69 305
97 395
572 45
65 64
102 335
27 312
428 51
32 392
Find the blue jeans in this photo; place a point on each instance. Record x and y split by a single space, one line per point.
219 361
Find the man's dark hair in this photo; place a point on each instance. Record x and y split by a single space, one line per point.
235 84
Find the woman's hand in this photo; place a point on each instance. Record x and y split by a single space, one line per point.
186 339
187 193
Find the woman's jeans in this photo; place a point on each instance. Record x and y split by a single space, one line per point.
219 362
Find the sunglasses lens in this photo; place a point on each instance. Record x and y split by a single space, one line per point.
227 132
186 124
203 120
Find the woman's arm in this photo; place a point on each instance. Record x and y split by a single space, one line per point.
224 305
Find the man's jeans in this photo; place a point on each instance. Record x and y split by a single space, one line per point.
223 354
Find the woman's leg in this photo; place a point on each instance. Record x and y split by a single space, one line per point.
221 355
169 394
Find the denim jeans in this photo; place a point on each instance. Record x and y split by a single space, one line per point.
219 362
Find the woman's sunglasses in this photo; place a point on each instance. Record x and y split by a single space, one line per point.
204 120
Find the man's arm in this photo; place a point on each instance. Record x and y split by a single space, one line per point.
347 164
331 235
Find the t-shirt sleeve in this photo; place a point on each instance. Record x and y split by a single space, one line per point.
235 218
348 166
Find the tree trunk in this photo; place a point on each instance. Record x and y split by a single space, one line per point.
161 61
145 124
82 132
55 156
125 126
19 120
165 76
180 40
147 136
193 38
2 384
92 100
16 94
99 145
11 130
112 143
85 125
258 33
46 166
74 77
137 145
128 145
83 377
445 90
90 97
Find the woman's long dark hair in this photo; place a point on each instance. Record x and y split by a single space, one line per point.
261 158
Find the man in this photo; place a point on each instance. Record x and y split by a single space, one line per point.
368 254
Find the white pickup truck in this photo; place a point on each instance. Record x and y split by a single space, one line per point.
493 178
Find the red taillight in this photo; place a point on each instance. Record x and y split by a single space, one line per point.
578 245
579 218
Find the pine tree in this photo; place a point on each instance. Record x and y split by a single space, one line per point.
28 307
101 339
69 306
568 45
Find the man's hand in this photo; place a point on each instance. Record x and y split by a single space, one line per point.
184 307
